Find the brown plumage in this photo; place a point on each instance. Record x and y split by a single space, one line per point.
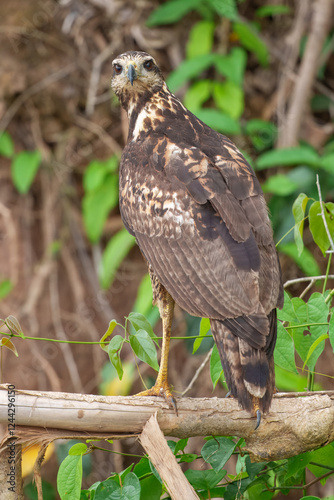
200 219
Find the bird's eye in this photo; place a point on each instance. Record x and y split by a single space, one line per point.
118 69
148 65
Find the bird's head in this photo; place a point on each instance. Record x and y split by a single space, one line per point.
135 73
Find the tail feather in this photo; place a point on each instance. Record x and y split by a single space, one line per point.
249 372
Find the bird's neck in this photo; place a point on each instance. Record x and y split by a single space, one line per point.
146 110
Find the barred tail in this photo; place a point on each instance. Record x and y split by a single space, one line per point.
249 372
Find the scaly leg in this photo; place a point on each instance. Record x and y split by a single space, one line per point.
166 308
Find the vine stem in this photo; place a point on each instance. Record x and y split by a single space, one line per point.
324 218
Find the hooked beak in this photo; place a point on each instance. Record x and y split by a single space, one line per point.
132 75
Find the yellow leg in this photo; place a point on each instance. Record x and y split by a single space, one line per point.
166 307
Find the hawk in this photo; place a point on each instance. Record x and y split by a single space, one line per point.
201 222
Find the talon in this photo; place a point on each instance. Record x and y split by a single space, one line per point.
258 419
163 392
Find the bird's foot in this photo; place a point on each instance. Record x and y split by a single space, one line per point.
257 412
161 389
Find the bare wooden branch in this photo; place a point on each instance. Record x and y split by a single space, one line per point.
293 425
321 21
155 445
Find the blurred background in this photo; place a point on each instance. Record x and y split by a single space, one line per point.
67 266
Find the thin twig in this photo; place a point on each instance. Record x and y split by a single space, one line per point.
324 218
309 286
100 132
60 334
197 373
303 486
307 278
13 243
288 58
34 89
301 394
300 94
95 77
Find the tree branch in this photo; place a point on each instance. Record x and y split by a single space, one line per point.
321 21
293 425
154 443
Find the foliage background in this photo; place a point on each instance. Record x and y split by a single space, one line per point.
63 272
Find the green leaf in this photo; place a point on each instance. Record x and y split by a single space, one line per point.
263 134
310 497
69 478
203 330
225 8
312 348
6 286
317 226
302 155
218 121
180 445
249 38
284 354
116 251
171 12
297 463
197 94
114 348
97 204
229 97
200 39
131 487
253 468
288 312
77 449
24 168
108 490
6 145
272 10
331 329
188 458
279 184
189 69
151 488
111 328
139 322
48 491
204 479
327 162
322 456
97 171
237 488
232 65
305 260
287 381
216 369
216 452
298 210
315 311
143 346
258 490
